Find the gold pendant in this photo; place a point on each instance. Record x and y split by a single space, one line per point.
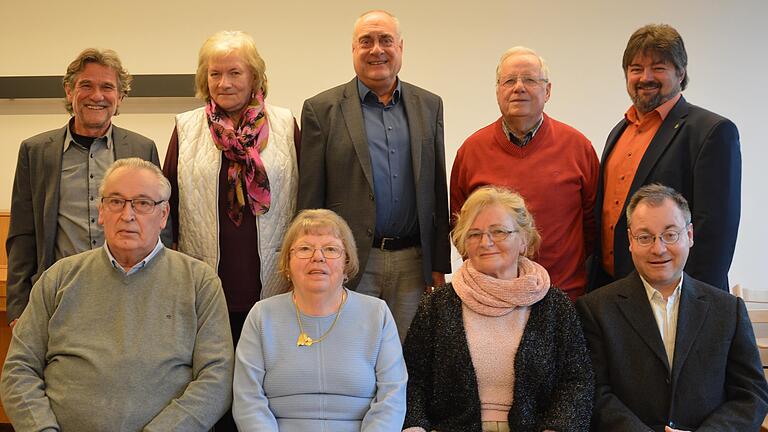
304 340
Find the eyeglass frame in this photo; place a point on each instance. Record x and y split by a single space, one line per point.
653 237
133 206
528 81
481 233
294 251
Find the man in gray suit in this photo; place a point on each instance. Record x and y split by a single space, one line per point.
670 353
54 203
372 151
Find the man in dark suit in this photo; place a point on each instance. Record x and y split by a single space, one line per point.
670 353
55 198
664 139
372 151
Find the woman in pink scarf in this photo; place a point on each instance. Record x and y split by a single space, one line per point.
234 176
498 349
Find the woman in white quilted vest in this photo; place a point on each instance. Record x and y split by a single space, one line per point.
234 176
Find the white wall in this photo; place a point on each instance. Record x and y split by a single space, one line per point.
451 48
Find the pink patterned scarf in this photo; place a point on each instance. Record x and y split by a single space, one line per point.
489 296
241 145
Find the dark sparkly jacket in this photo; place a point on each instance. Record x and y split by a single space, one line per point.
554 382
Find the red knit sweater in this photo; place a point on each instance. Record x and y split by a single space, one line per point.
556 173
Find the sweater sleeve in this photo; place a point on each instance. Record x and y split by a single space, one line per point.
589 198
250 406
387 410
570 405
417 350
23 385
209 394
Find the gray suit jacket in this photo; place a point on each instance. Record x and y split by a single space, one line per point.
35 206
335 168
716 382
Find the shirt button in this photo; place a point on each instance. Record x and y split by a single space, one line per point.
389 128
610 253
93 242
392 151
621 177
616 202
629 154
91 175
91 155
612 227
394 175
90 198
93 220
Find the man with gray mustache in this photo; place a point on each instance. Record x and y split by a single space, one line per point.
664 139
54 203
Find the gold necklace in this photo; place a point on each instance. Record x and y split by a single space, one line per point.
304 339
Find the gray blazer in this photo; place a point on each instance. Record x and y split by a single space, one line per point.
335 168
35 206
716 382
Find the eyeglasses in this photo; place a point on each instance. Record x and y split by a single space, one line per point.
139 205
668 237
329 252
527 80
495 234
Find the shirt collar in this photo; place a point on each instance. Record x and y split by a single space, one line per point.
139 265
363 91
663 110
527 137
68 138
651 291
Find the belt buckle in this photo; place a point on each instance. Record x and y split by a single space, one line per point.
384 240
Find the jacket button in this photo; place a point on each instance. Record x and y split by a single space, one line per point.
370 232
370 196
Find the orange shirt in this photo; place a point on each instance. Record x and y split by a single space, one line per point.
621 166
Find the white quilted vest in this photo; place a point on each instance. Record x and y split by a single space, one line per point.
198 173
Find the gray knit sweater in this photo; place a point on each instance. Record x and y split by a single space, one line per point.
96 350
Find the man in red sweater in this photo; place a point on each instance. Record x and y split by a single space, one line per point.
552 165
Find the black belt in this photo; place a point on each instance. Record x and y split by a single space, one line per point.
396 243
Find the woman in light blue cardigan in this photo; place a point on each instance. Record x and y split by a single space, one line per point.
319 358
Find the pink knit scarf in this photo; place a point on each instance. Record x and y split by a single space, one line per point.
241 144
489 296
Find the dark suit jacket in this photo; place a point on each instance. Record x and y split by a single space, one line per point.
716 382
697 153
553 378
35 206
335 168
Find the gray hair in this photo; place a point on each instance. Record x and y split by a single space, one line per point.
381 11
138 164
517 51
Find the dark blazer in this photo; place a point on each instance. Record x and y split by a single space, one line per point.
697 153
553 375
335 168
35 206
716 382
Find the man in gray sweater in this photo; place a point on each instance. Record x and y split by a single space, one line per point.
128 337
